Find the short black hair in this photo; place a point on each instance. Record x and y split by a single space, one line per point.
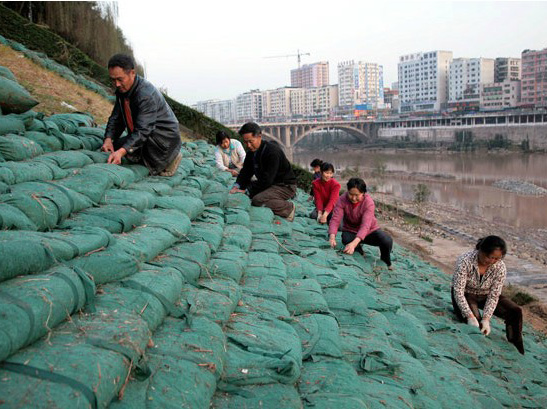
490 243
124 61
357 183
250 127
220 136
316 162
325 166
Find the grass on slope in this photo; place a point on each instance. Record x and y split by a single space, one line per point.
51 90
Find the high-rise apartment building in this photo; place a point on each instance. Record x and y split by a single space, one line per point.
507 69
249 106
423 80
500 95
221 111
321 101
534 77
360 83
311 75
465 77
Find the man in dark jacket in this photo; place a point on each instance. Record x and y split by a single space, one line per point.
153 137
275 182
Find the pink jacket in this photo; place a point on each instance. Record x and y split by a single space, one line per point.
359 219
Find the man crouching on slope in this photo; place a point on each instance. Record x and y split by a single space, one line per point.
153 137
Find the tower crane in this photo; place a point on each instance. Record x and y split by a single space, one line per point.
298 55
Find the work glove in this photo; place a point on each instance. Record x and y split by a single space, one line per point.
485 326
473 321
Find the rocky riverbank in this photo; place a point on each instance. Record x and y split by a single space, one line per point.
520 187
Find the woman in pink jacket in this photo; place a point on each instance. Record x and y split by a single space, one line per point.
356 209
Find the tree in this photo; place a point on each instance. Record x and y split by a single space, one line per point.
421 196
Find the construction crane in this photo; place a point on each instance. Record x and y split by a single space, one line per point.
298 54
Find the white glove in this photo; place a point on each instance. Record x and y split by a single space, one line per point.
473 321
485 326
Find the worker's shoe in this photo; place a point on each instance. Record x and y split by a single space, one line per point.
172 168
290 217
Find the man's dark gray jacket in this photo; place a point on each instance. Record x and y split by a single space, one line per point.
156 129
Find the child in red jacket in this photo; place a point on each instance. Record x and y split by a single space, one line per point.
326 191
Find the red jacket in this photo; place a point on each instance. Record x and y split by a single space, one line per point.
358 219
326 194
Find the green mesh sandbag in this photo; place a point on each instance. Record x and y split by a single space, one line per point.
37 257
305 296
49 143
224 178
4 188
67 160
140 171
203 170
92 186
208 232
271 288
6 73
214 299
261 351
70 142
11 218
14 98
96 157
191 206
19 172
54 192
238 201
121 176
261 214
215 198
29 311
71 122
44 212
160 189
238 236
108 265
319 335
134 198
198 182
186 191
227 264
274 395
262 307
173 181
113 218
83 364
11 125
281 227
265 264
145 243
213 215
91 130
260 227
175 222
299 268
190 259
17 148
264 243
237 216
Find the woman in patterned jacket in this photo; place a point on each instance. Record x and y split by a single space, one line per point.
477 283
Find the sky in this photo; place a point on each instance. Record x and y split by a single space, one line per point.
200 50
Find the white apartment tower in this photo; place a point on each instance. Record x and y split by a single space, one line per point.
221 111
465 78
311 75
360 83
423 80
249 106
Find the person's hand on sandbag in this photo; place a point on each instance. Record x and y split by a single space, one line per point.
323 218
236 190
108 146
332 240
472 321
115 158
485 326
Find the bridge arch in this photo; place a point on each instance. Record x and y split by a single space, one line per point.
356 133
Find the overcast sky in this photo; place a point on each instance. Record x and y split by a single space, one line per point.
203 49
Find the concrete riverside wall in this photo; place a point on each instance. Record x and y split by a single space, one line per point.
536 134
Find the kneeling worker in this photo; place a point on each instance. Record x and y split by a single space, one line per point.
276 182
153 137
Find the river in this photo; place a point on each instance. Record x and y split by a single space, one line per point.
461 180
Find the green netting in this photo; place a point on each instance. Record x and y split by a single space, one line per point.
115 219
11 218
227 264
215 198
261 214
70 123
203 170
264 243
238 236
281 227
67 160
6 73
213 215
215 299
19 172
49 143
186 191
223 177
187 164
260 227
120 175
190 259
140 171
191 206
238 201
208 232
161 189
92 186
175 222
198 182
37 257
274 395
265 265
83 364
305 296
271 288
17 148
237 216
300 268
14 98
263 307
29 311
172 181
146 243
97 157
134 198
9 124
261 351
319 335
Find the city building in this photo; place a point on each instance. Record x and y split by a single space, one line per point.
534 78
360 84
465 78
423 81
322 101
507 69
311 75
500 95
249 106
391 99
222 111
